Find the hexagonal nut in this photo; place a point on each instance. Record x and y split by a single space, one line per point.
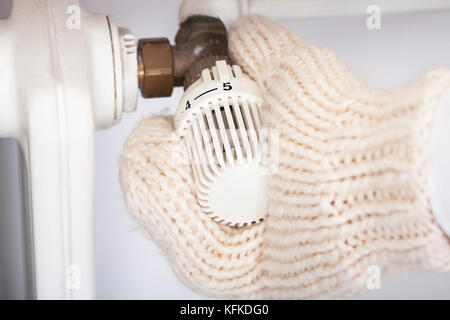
155 67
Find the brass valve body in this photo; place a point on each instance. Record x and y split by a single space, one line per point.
199 43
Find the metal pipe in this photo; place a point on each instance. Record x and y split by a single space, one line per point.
230 10
199 43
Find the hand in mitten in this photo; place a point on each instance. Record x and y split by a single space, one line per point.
350 192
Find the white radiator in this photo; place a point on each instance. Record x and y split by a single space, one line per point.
61 78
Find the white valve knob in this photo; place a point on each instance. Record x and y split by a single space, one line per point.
219 118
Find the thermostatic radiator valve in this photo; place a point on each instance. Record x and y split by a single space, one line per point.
219 118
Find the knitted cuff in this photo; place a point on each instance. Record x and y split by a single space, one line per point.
350 192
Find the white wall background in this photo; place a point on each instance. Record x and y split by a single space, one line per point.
129 265
12 240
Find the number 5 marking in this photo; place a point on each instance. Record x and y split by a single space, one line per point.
227 86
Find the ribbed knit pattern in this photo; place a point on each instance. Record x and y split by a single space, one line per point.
351 189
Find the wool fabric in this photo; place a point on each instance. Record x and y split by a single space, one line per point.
350 193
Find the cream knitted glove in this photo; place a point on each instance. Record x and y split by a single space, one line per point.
351 190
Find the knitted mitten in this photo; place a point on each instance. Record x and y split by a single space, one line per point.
350 192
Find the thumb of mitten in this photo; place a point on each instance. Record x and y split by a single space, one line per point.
157 181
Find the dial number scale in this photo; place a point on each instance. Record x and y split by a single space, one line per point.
226 87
